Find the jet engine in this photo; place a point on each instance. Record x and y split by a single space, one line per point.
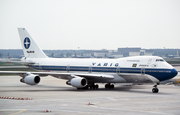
77 82
31 79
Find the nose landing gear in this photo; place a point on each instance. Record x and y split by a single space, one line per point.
155 89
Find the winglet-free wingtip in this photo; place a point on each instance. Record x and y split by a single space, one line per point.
21 28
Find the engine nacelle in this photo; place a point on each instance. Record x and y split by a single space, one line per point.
77 82
31 79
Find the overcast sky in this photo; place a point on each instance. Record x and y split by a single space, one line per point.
91 24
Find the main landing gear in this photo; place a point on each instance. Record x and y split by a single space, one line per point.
92 86
155 89
109 86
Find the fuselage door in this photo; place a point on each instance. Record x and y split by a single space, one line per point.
118 69
143 70
39 67
68 68
90 69
149 61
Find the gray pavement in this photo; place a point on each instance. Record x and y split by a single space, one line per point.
54 95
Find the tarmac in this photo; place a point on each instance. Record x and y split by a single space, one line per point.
53 97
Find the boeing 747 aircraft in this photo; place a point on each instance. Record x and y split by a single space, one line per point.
87 73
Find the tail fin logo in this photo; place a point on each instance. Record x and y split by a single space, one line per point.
27 42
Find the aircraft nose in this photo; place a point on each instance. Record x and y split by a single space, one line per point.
174 72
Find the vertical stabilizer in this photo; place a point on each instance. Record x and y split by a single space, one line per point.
30 48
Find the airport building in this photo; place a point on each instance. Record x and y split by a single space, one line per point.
95 53
118 53
134 51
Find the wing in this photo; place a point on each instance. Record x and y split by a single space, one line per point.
61 75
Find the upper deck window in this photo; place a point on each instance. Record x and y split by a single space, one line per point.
160 60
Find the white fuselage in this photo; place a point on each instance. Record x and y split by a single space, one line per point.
151 65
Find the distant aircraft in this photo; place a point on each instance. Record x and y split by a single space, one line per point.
86 73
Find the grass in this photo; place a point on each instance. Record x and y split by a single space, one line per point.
173 60
16 69
10 64
13 69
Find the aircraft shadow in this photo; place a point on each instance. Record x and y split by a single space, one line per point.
45 88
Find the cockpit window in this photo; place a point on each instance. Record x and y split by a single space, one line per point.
160 60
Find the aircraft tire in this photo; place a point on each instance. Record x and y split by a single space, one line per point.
93 87
86 87
96 86
79 88
155 90
112 86
107 86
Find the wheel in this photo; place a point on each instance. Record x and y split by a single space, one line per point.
155 90
86 87
109 86
97 86
94 87
91 87
112 86
106 86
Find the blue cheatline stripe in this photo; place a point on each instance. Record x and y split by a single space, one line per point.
160 74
